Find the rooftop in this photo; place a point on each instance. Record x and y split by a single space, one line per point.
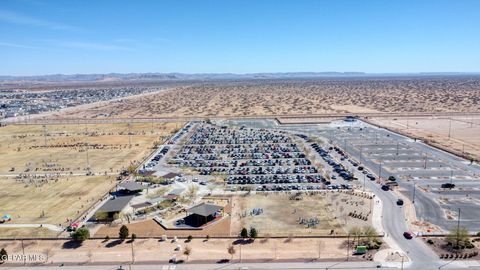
116 204
132 186
204 209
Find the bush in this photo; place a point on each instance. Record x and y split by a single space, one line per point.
244 233
189 238
123 232
430 241
253 233
3 255
134 236
81 234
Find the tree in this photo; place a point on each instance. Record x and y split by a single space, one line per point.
3 255
458 237
187 251
370 234
189 238
244 233
81 234
253 233
134 236
123 232
231 250
191 193
356 232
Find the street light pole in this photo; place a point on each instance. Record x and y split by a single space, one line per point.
364 177
380 172
458 226
413 199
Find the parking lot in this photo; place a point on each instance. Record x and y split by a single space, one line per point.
252 158
420 170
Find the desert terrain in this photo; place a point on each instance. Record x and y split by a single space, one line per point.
457 134
300 97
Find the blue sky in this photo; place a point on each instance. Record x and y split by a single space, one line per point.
244 36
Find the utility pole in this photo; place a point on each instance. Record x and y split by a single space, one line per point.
450 128
425 161
23 252
88 161
364 177
451 177
45 134
458 226
129 134
133 253
380 171
413 199
361 150
348 245
397 147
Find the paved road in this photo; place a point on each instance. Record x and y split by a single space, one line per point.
253 266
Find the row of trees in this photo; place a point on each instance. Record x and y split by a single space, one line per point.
253 233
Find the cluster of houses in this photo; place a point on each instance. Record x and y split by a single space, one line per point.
20 102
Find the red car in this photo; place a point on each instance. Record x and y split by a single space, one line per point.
408 235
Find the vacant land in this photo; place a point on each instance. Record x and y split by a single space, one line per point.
301 97
288 214
459 134
153 250
67 148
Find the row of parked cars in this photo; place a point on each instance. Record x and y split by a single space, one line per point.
154 161
276 179
299 187
258 170
209 134
338 168
180 133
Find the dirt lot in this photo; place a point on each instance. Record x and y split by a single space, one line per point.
52 202
62 150
27 232
148 250
281 214
299 97
464 130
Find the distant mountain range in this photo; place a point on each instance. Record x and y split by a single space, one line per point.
204 76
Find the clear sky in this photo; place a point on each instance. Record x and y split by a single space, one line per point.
243 36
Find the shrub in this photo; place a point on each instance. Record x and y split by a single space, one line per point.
244 233
123 232
81 234
253 233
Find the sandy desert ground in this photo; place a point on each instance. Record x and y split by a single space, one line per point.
459 134
153 250
300 97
